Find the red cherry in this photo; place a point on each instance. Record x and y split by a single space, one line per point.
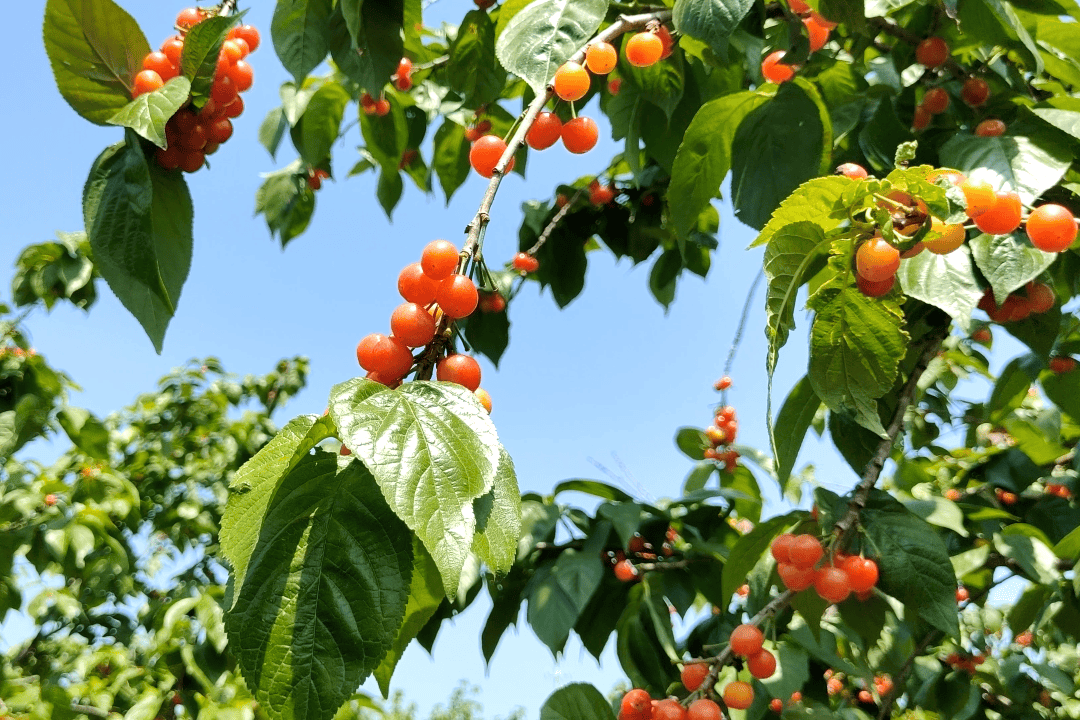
460 369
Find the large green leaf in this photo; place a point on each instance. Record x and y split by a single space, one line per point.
472 70
660 83
777 147
576 701
794 419
299 30
488 333
818 201
138 220
86 431
856 344
148 113
544 35
450 158
1027 165
558 592
1063 389
704 157
1007 262
286 201
375 31
791 253
711 21
325 587
749 549
944 281
202 47
498 518
95 49
320 124
433 450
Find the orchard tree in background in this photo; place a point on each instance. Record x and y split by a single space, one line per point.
954 133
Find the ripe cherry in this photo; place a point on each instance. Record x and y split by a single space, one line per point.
248 33
975 92
232 51
1003 216
738 695
832 584
601 58
387 356
545 131
173 48
1051 228
460 369
746 640
404 68
921 119
980 197
775 71
160 63
990 128
525 263
818 33
876 260
415 286
796 697
439 259
798 7
235 109
457 297
776 705
862 573
962 594
571 81
834 685
703 709
50 500
936 101
219 130
932 52
625 571
865 697
600 195
580 134
188 18
192 161
146 81
170 158
1041 297
794 577
485 399
666 42
491 302
943 239
761 664
644 49
851 170
382 108
805 551
781 547
485 154
412 324
242 76
223 91
723 383
693 675
668 709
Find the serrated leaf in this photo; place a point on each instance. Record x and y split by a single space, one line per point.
433 450
792 251
95 50
1007 263
939 511
498 519
559 591
818 201
450 160
202 46
375 29
320 124
148 113
750 548
944 281
710 21
544 35
576 701
794 419
472 70
299 30
704 156
325 589
1009 162
286 202
660 83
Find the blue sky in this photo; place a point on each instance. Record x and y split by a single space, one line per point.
607 380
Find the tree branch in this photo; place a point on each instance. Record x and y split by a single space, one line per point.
555 221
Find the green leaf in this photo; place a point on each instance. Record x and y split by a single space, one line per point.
95 49
640 651
792 251
1026 165
498 519
451 157
1008 263
389 190
320 124
692 442
286 201
1039 332
138 220
559 591
1033 555
86 431
660 83
425 596
488 334
325 589
272 130
433 450
544 35
299 31
818 201
1063 389
749 549
472 71
777 147
997 21
939 511
856 344
914 565
576 701
1068 547
944 281
970 561
202 46
664 276
792 422
375 29
711 21
387 137
592 487
1009 391
704 157
148 113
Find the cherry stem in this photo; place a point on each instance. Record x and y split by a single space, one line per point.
554 221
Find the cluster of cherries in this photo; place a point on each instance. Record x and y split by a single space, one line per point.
433 290
640 550
722 434
798 558
834 685
1035 299
818 29
932 53
402 80
193 134
965 662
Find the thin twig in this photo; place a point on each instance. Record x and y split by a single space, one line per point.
228 7
555 221
737 340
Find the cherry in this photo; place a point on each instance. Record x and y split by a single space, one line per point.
170 158
412 324
668 709
693 675
980 197
796 697
248 33
781 547
862 573
545 131
242 76
936 101
962 594
160 63
235 109
818 33
232 51
219 130
188 18
457 297
404 69
173 48
613 86
416 286
601 58
146 81
192 161
625 571
832 584
1003 216
943 239
485 399
738 695
921 119
1051 228
460 369
666 41
1040 297
876 260
223 91
776 705
382 108
485 154
975 92
990 128
387 356
571 81
851 170
761 664
194 140
865 697
805 551
775 71
525 263
703 709
644 49
439 259
50 500
746 640
484 4
798 7
932 52
834 685
600 195
723 383
491 302
580 134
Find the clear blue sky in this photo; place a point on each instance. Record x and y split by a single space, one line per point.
609 378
